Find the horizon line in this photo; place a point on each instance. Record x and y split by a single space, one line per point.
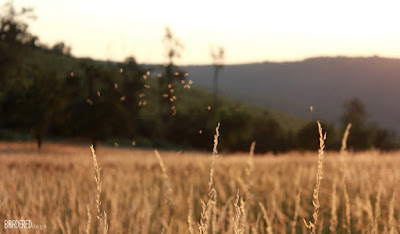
253 62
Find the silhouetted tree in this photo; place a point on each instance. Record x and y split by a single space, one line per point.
61 48
41 101
383 139
132 87
354 112
235 128
307 137
96 109
13 32
13 28
218 59
8 60
268 134
32 101
74 95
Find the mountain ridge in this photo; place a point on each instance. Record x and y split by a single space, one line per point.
323 82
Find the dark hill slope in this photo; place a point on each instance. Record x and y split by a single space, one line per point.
322 82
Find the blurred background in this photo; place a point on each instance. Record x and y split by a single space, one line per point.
164 73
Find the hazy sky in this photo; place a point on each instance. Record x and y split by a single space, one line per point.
250 31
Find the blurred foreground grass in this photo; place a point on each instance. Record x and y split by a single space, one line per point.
56 187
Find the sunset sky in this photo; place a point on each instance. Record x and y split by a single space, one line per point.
250 31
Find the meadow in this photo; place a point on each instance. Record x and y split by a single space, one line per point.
143 191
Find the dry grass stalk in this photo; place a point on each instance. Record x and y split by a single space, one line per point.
322 137
367 207
61 226
321 224
36 185
244 225
249 174
296 201
223 214
97 179
334 220
236 220
166 179
89 220
245 186
347 209
105 228
343 153
213 157
296 210
213 201
255 226
377 210
344 139
190 215
277 209
208 213
266 218
250 161
391 219
203 224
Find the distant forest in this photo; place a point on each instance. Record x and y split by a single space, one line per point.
46 93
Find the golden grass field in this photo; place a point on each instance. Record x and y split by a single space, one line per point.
260 194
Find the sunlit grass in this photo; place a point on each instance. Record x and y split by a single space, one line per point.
56 187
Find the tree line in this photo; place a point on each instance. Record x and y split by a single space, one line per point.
47 93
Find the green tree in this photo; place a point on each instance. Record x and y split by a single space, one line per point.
192 130
354 112
383 139
235 128
13 26
268 134
60 48
13 33
94 108
32 101
307 137
132 87
13 73
41 101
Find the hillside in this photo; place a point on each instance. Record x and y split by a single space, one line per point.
323 82
196 96
47 94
